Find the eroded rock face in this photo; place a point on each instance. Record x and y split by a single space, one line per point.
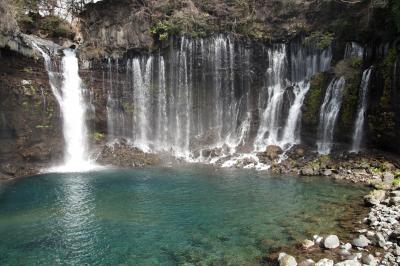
112 27
30 124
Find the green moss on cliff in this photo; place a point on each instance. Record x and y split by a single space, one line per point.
321 39
386 69
351 69
313 100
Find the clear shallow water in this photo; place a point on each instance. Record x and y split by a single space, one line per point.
158 216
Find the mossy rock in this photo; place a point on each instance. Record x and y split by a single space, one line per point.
313 100
351 70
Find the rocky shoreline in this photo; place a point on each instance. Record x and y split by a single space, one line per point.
378 244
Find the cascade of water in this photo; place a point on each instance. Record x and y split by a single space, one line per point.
162 117
291 134
110 105
353 49
73 108
141 94
269 126
328 114
199 97
362 108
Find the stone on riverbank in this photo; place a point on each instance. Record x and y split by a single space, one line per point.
286 260
324 262
331 242
374 197
307 244
348 263
361 241
273 152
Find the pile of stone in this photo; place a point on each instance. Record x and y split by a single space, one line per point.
383 219
377 245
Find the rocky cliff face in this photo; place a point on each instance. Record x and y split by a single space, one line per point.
30 133
115 27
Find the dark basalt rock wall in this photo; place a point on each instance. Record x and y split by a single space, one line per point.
30 124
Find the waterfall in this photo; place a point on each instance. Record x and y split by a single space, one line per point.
362 108
269 127
199 98
328 114
304 62
353 50
73 108
291 134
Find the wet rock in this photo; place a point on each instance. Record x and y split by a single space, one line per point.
273 152
361 241
374 197
286 260
324 262
123 154
327 172
307 170
331 242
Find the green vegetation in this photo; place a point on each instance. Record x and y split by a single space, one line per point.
193 25
387 70
97 136
321 39
313 99
396 182
42 126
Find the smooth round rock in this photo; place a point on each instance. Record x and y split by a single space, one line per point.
360 241
331 242
287 260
